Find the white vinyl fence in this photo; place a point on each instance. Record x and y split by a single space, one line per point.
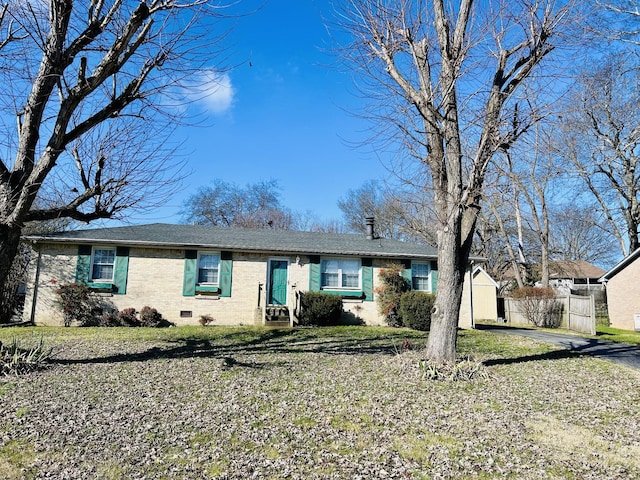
575 312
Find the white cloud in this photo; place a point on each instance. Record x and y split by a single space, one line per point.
215 91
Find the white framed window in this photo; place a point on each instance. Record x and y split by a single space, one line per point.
208 268
340 273
102 263
421 277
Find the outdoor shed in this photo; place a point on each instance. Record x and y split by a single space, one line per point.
485 295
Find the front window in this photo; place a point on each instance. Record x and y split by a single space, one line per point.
208 268
103 262
340 273
420 277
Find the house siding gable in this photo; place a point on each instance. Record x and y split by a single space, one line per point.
623 301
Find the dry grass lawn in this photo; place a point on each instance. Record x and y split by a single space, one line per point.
338 403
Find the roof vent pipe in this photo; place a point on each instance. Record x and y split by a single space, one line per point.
369 221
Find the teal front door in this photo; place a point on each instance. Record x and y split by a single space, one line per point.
277 282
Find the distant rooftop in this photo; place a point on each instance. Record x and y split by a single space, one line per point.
562 269
574 269
164 235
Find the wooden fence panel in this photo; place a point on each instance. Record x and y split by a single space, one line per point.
513 312
581 314
578 313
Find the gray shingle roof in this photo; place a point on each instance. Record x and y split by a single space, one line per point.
241 239
574 269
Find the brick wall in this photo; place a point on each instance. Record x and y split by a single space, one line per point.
155 278
622 297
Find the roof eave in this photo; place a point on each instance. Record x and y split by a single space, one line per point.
142 243
621 265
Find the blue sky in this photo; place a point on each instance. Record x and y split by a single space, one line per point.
285 112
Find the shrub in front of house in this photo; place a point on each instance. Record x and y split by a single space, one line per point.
206 319
150 317
128 318
415 310
321 309
76 303
109 319
389 293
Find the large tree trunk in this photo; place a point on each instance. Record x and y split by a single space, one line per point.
9 243
454 247
441 345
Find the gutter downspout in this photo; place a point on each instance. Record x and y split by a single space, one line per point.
471 265
34 298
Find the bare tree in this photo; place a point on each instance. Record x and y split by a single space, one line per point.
370 200
447 74
225 204
578 232
616 20
500 233
602 140
91 87
308 221
533 180
394 207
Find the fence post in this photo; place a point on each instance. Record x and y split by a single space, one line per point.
593 314
569 311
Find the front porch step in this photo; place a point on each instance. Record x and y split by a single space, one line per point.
277 316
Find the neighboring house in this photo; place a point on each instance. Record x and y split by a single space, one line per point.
575 276
566 276
485 295
238 276
623 293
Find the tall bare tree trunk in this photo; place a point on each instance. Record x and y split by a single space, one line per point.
9 243
441 344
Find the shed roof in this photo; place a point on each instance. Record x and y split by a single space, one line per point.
162 235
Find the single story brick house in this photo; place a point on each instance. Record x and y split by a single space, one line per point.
237 276
623 293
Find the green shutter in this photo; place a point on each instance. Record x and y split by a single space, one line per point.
406 272
367 279
120 270
83 264
190 273
314 273
434 276
225 269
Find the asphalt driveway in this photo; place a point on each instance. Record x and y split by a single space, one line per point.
622 353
